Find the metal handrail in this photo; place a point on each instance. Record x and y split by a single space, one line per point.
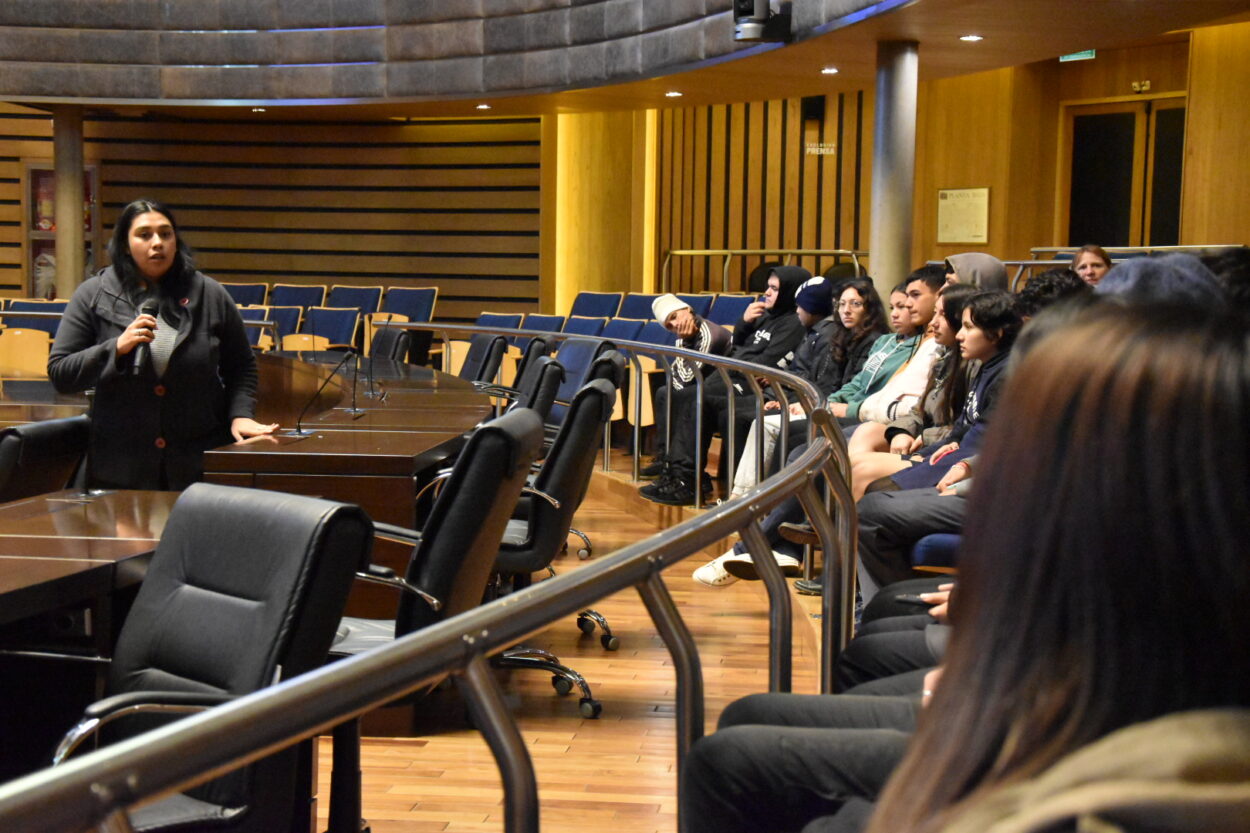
728 254
1206 247
98 787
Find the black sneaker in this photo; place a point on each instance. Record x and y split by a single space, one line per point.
656 468
675 490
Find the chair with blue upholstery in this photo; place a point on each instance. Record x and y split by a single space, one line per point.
297 295
582 326
408 303
727 309
287 319
48 325
257 336
701 304
366 299
539 323
336 325
596 304
623 329
247 294
637 305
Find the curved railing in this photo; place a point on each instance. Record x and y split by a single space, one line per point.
98 788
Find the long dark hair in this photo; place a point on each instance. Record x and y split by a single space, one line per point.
951 372
873 324
1103 574
182 264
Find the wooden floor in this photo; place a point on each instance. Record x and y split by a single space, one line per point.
616 772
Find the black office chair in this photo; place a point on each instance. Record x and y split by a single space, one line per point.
481 362
536 388
451 565
41 457
245 585
390 343
608 365
542 522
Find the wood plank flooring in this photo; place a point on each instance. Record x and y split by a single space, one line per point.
615 772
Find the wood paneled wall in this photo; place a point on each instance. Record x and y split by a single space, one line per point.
1215 197
447 203
757 175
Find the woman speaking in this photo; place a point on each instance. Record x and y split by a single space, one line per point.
165 349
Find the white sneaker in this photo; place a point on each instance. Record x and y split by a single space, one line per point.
741 566
712 574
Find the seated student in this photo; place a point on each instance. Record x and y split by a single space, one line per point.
834 351
990 326
976 269
768 334
1090 264
694 332
1074 690
930 420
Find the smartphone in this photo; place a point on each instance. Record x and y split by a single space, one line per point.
911 599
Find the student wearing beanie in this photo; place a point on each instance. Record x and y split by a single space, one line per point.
767 335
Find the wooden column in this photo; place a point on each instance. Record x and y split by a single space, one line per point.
68 159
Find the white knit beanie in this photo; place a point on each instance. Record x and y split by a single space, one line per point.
665 305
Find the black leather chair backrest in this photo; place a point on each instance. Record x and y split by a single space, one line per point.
534 348
461 535
390 343
609 365
536 388
483 358
245 587
565 476
41 457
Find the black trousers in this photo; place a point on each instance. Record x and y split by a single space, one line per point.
891 522
715 406
780 762
886 647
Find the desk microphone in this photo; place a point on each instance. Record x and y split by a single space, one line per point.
298 430
143 350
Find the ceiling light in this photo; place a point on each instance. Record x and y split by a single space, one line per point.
258 109
829 71
672 94
971 38
483 106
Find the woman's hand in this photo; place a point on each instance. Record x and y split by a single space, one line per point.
772 405
949 448
903 444
930 684
796 410
140 331
956 473
241 428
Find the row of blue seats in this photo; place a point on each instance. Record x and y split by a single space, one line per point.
725 309
48 325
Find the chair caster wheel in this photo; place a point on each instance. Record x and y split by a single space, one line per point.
586 625
609 642
590 709
583 553
561 685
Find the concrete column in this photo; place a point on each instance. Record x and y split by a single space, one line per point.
68 159
893 163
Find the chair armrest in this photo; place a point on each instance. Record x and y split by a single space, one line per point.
396 533
105 711
377 574
442 475
530 490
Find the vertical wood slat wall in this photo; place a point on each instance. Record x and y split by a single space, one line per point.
746 176
440 202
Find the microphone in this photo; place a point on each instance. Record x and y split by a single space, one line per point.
370 391
298 430
143 350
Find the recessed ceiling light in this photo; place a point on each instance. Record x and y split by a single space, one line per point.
672 94
829 71
483 106
971 38
258 109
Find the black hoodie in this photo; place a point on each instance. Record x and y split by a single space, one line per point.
770 339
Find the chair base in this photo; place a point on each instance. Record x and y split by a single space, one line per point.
586 621
586 549
563 678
